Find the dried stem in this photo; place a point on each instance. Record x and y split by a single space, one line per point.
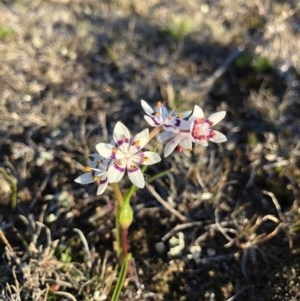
154 132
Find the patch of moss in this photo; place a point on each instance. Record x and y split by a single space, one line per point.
255 22
244 60
179 27
52 297
252 139
6 33
257 63
262 63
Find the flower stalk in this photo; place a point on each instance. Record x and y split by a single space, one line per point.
118 194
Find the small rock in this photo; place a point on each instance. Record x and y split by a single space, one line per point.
160 247
211 252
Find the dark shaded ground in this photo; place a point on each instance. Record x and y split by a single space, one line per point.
70 70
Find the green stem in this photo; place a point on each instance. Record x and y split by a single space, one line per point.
118 233
121 278
130 192
159 175
120 201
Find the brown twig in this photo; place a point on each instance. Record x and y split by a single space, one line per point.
165 204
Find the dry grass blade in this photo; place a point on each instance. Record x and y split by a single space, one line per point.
237 294
181 227
86 247
275 202
65 294
5 241
166 205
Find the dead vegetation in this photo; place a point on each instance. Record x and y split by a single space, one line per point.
70 69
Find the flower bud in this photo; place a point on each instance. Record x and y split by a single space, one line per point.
126 216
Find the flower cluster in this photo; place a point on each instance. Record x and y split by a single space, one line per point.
115 159
124 155
181 132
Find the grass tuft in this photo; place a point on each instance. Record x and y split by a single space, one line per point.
6 33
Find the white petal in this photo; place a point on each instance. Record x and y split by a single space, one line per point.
102 184
135 175
98 163
104 149
183 125
147 108
216 117
186 114
185 142
152 121
165 136
139 141
164 112
146 158
170 146
121 136
106 163
170 127
115 172
109 151
94 159
197 113
86 178
219 137
152 158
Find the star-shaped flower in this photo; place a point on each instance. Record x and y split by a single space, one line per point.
182 138
196 129
126 155
201 128
160 117
96 172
